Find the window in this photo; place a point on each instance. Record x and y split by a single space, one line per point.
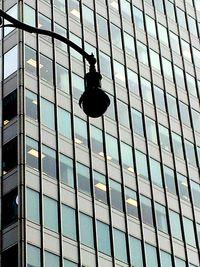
177 145
77 40
131 202
62 78
155 60
170 10
31 105
189 232
151 130
51 260
33 256
123 114
151 256
120 248
166 259
102 25
175 224
181 18
190 153
184 111
141 164
86 230
155 170
119 73
191 84
186 52
96 140
183 187
69 222
10 61
68 263
159 98
9 155
129 44
49 161
32 154
74 9
81 135
116 36
167 69
83 176
62 31
164 137
162 34
60 4
136 252
10 208
30 61
33 205
29 15
133 82
100 187
174 41
46 69
127 157
195 188
50 214
47 113
77 85
105 65
151 26
172 106
147 215
13 11
64 123
112 149
66 170
103 238
8 112
192 25
161 218
88 17
179 77
138 18
169 180
146 90
137 122
142 53
159 5
116 195
126 10
179 262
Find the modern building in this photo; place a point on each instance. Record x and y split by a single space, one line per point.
121 190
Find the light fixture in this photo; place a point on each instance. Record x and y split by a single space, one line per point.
33 63
102 155
120 77
115 5
132 202
78 141
76 13
34 102
33 152
130 169
5 122
101 186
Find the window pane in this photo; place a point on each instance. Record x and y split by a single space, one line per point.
166 259
133 82
62 78
66 170
177 145
77 85
31 105
33 256
190 153
47 113
33 205
96 140
46 69
103 237
49 161
86 230
112 148
9 155
116 36
151 256
100 187
9 113
155 170
30 60
151 130
10 61
136 252
69 222
147 215
183 187
120 248
164 137
169 180
146 90
51 260
127 157
138 18
195 193
123 114
116 195
159 98
68 263
64 123
32 154
81 135
102 25
137 122
83 175
161 218
141 163
172 106
189 231
50 214
131 202
175 224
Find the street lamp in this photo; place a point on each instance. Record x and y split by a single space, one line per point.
94 101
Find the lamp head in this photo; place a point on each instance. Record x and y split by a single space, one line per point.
94 101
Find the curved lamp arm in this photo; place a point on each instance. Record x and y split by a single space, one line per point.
20 25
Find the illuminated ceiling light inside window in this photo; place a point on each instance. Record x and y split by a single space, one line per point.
33 63
132 202
78 141
101 186
102 155
34 102
120 77
76 13
130 169
35 153
4 172
115 5
185 184
5 122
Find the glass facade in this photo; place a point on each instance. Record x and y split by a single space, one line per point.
121 190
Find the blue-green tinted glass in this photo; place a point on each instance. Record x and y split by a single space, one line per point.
112 148
161 218
86 230
127 157
166 259
77 85
10 61
147 215
195 193
137 122
83 175
66 170
69 222
123 114
116 195
64 123
68 263
151 256
50 214
103 236
32 154
100 187
131 202
51 260
47 113
183 187
49 161
151 130
62 78
33 256
179 262
33 205
189 232
169 180
120 248
31 105
96 140
175 224
155 170
136 252
81 135
141 163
